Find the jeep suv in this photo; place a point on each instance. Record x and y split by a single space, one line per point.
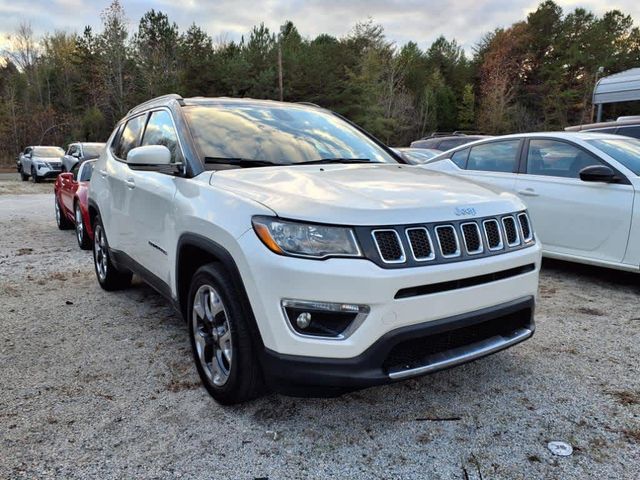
303 254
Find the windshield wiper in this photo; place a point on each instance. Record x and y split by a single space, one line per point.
240 162
336 160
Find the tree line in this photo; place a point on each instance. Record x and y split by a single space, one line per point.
537 74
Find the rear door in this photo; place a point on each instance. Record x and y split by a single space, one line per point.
570 216
151 196
493 163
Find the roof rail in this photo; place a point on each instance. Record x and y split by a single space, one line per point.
310 104
161 98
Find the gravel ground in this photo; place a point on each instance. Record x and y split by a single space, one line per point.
98 385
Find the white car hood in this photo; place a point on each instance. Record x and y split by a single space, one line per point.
47 159
364 194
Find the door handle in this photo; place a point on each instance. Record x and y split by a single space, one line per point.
103 173
130 183
528 192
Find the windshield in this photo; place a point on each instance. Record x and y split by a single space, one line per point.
48 152
278 134
624 150
92 150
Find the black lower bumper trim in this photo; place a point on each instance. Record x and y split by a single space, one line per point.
414 350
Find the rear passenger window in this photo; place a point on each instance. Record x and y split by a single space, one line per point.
160 131
460 157
629 131
557 159
130 136
451 143
494 156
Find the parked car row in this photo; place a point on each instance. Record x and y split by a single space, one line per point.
41 162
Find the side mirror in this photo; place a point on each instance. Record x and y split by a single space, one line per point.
149 156
76 154
598 173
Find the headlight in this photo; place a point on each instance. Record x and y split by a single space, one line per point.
306 240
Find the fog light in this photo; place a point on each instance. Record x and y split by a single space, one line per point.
304 320
324 319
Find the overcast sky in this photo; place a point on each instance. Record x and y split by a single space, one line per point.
403 20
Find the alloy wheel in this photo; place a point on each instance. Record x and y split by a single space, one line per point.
58 217
79 225
100 253
212 335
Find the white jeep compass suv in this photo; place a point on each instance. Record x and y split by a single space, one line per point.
303 254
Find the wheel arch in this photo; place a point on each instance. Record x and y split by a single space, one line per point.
194 251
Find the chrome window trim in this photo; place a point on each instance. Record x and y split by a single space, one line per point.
432 256
455 235
464 239
486 235
403 257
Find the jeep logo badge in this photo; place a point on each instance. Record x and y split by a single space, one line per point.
463 212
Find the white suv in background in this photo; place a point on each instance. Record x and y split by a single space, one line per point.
303 255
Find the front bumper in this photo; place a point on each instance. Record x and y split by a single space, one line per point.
269 278
406 352
46 172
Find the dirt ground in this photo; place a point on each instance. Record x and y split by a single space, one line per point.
101 385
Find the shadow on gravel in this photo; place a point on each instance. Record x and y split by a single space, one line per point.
590 273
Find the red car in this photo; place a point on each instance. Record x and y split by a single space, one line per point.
71 202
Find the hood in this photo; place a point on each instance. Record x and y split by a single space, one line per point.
364 194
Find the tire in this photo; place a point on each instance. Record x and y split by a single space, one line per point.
84 242
34 176
61 219
109 277
233 374
23 176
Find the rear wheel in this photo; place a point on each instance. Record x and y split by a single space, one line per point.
81 232
220 338
109 277
61 219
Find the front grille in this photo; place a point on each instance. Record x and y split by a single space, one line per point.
420 243
448 241
389 245
492 234
471 236
527 235
511 231
418 352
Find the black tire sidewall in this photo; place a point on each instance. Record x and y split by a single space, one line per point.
238 388
84 244
114 279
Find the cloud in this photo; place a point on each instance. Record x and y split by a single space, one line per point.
403 20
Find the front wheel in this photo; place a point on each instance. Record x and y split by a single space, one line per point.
84 242
34 176
109 277
220 338
23 176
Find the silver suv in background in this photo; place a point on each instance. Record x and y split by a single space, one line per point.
40 162
627 126
79 152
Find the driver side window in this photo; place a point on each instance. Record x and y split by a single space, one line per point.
554 158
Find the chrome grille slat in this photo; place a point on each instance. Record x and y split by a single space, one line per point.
420 244
525 227
492 234
511 231
448 241
472 238
389 245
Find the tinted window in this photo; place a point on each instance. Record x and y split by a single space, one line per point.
130 136
460 157
494 157
72 149
603 130
429 143
48 152
160 131
74 171
624 150
277 133
452 143
629 131
557 159
87 170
